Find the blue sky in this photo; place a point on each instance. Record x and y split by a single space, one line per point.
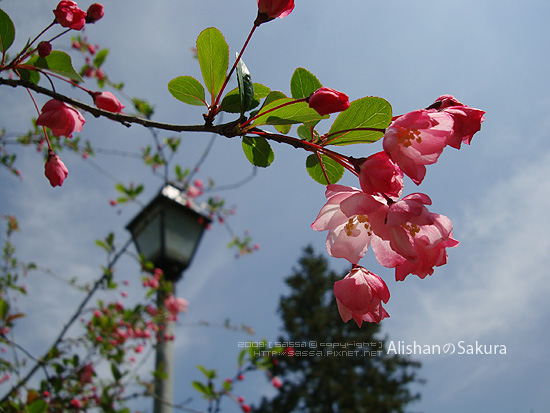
489 54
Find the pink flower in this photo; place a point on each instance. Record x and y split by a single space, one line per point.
326 100
107 101
271 9
380 175
75 404
55 170
44 49
62 119
94 13
359 295
418 235
430 244
67 14
355 220
276 382
466 120
246 408
194 191
417 139
85 374
175 305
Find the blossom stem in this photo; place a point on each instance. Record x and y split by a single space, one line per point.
271 110
23 54
327 141
43 127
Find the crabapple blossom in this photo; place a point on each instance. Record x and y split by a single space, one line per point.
429 243
418 235
417 139
271 9
378 174
175 305
359 295
276 382
325 100
67 14
466 120
55 170
355 220
61 118
107 101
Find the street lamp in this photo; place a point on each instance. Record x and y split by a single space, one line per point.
167 233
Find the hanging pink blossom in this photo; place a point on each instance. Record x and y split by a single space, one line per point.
355 221
466 120
175 305
55 170
61 118
417 139
359 295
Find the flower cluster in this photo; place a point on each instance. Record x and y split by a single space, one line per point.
402 232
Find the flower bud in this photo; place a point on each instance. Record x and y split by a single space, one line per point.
271 9
325 100
55 170
44 49
107 101
95 12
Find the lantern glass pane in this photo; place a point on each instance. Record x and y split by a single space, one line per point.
182 233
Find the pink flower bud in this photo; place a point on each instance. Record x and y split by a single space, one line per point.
271 9
107 101
95 12
380 175
246 408
44 49
326 100
55 170
276 382
61 118
67 14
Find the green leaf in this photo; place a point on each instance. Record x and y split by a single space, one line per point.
231 102
7 31
210 374
37 406
29 75
334 171
201 388
299 112
4 309
304 132
116 372
303 83
100 57
213 55
57 62
369 112
246 88
188 90
258 151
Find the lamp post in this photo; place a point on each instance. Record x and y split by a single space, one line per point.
167 233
